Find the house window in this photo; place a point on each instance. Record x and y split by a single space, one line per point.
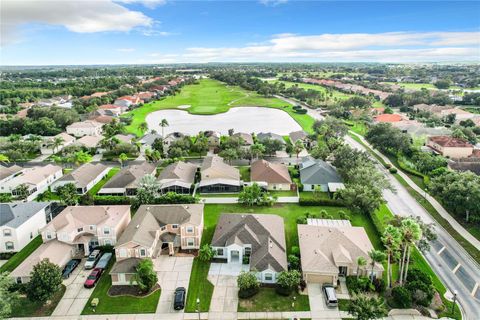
9 245
19 280
143 252
248 251
123 253
91 228
80 229
107 242
31 235
219 251
189 229
190 242
7 232
268 277
174 226
163 228
106 230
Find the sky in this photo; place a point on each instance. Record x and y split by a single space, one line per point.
81 32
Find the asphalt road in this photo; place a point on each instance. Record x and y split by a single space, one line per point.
457 270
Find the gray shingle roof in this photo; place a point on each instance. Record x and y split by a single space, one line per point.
317 171
15 214
264 232
149 138
178 171
130 176
125 266
269 135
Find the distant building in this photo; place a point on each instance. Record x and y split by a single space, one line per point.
127 180
275 175
450 147
84 177
85 128
178 177
218 177
318 173
388 118
47 147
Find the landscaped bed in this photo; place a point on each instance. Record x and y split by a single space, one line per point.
267 299
27 308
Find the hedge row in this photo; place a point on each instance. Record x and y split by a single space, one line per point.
169 198
406 168
321 202
111 200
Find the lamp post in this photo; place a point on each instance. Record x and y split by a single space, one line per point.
454 301
198 308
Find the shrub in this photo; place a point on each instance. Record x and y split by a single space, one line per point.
293 262
393 170
302 220
321 202
388 165
244 294
248 284
145 275
420 285
402 297
296 251
45 279
111 200
206 253
287 281
379 285
301 111
362 284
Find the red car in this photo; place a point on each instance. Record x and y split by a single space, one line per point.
93 278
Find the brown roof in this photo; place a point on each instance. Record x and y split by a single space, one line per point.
263 170
389 118
264 232
8 171
213 167
446 141
84 174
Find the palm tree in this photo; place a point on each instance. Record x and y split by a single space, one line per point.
163 124
361 262
411 233
56 143
122 158
376 256
298 147
257 150
392 238
366 307
143 126
4 158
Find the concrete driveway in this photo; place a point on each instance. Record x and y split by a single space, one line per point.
318 306
172 272
76 296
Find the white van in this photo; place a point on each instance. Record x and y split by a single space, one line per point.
330 296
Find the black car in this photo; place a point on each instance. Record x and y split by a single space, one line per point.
179 299
71 265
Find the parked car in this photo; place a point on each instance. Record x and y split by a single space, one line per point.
92 259
93 278
104 260
179 299
69 267
330 297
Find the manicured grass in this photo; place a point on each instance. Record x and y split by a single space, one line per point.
199 286
283 193
244 173
358 127
420 86
27 308
268 300
218 195
211 97
102 182
121 304
308 195
18 258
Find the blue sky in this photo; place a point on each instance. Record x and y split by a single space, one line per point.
43 32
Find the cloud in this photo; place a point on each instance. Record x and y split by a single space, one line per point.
126 49
151 4
392 46
75 15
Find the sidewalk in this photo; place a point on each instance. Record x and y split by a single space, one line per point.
441 210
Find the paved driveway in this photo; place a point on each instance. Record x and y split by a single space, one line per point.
76 296
172 272
318 306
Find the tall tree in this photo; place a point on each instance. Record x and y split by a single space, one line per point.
376 256
391 238
298 147
257 150
68 194
145 276
361 262
163 124
411 233
8 297
122 158
143 126
56 143
45 280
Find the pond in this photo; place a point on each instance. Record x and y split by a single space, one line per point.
242 119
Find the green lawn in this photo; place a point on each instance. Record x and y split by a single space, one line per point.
27 308
283 193
308 195
244 173
420 86
211 97
268 300
18 258
102 182
199 286
121 304
218 195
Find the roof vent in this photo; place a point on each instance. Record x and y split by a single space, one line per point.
137 226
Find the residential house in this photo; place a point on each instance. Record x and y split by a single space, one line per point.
213 138
274 175
297 135
84 177
47 145
115 110
432 108
316 173
90 142
125 138
450 147
146 96
74 233
37 179
171 138
329 249
85 128
178 177
147 141
246 137
388 118
20 222
256 238
126 181
156 230
459 114
7 174
218 177
123 103
269 135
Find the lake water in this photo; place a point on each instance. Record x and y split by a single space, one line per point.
241 119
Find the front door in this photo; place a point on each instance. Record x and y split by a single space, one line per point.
234 256
121 278
342 271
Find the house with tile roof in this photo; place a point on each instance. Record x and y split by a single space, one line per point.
270 135
8 173
316 173
37 180
177 177
246 137
218 177
147 141
47 148
450 147
256 238
297 135
20 222
84 177
330 251
274 175
127 180
156 230
90 142
388 118
85 128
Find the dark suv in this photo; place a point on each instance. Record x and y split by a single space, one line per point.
71 265
179 299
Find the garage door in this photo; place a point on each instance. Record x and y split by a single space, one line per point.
318 278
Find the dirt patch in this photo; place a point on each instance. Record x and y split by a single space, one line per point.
132 291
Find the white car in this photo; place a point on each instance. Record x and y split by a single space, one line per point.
92 259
